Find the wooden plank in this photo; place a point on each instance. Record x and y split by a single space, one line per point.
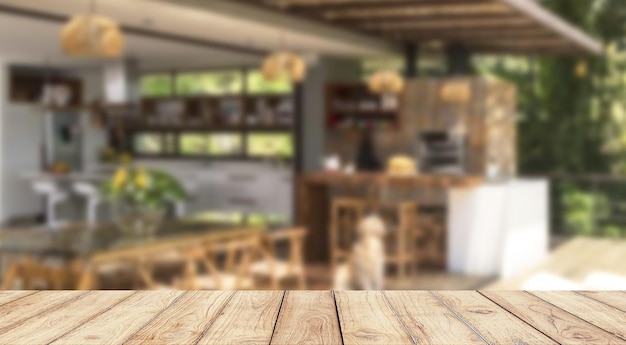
307 317
185 321
608 318
366 318
616 299
20 310
553 22
494 23
323 6
51 325
249 317
124 319
493 323
430 321
10 296
559 324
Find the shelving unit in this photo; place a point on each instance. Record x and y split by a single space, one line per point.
169 119
28 87
353 106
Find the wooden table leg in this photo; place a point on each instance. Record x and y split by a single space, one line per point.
88 279
9 277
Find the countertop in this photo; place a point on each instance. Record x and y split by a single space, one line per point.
327 177
312 317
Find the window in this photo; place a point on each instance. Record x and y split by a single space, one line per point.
209 83
148 144
256 83
270 145
156 85
225 144
192 144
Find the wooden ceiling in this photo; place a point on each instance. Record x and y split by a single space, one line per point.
483 26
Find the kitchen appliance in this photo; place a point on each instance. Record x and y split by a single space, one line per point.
441 153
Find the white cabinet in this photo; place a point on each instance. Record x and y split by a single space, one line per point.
232 187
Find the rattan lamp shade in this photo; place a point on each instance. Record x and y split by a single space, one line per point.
386 82
92 35
281 64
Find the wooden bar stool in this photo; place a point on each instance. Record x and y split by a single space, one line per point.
345 216
402 232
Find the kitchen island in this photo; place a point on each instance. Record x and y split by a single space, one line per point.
489 225
315 198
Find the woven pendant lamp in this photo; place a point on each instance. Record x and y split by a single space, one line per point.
284 63
386 82
92 35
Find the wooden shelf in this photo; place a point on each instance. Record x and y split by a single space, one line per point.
344 102
209 128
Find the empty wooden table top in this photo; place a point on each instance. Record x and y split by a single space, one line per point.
312 317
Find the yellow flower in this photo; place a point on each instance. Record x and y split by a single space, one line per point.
141 179
120 177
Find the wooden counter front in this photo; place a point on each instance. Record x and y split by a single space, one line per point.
381 179
313 197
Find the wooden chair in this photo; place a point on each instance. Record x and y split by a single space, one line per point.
281 269
224 266
402 234
433 241
345 216
33 274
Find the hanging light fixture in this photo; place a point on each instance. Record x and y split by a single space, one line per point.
386 82
92 35
283 63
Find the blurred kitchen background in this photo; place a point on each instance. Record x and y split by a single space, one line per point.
158 144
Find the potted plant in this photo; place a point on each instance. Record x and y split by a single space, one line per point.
139 197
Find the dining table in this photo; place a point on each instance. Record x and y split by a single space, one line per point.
312 317
80 250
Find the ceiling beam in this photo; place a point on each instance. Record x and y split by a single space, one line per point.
432 18
138 31
423 12
556 24
494 23
470 35
324 6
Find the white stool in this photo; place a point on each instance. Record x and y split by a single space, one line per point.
54 196
92 195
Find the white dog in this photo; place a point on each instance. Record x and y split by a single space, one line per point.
365 269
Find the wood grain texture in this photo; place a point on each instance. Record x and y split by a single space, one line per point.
366 318
493 323
185 321
248 318
19 310
10 296
428 320
616 299
311 317
123 320
50 325
608 318
307 317
549 319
